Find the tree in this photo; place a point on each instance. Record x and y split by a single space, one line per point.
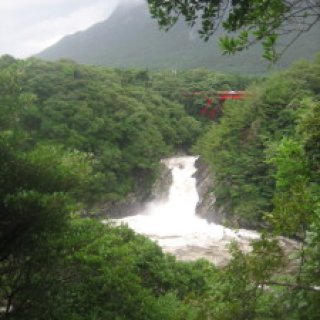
248 21
39 189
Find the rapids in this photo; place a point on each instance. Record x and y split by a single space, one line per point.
173 224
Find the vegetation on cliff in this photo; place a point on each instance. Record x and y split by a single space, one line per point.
265 157
273 122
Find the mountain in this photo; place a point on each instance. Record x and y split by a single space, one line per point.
131 38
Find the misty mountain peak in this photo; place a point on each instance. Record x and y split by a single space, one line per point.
131 38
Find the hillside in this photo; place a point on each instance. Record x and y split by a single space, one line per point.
130 38
106 113
72 134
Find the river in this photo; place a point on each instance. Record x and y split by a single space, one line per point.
173 223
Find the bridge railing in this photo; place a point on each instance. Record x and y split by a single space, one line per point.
212 112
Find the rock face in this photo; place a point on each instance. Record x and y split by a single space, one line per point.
135 202
160 189
206 207
129 206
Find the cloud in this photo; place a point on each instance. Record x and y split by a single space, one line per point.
27 27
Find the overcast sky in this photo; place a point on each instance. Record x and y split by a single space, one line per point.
28 26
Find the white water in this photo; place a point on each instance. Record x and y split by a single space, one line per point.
173 224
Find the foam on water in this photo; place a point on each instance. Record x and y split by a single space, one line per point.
173 222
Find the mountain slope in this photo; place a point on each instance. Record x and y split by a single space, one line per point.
130 38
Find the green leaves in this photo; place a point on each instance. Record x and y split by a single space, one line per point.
92 109
110 272
247 145
38 192
231 45
250 21
269 48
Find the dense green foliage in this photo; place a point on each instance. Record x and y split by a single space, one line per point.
264 154
238 147
102 272
180 86
73 135
107 113
55 267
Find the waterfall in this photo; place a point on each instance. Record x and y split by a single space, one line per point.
173 224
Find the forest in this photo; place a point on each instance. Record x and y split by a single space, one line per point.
74 137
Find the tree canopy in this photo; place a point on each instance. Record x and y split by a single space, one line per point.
246 22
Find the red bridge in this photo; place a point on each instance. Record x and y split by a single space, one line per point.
213 105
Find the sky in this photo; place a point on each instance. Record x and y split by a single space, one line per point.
29 26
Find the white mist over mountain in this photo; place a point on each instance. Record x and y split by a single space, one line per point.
27 27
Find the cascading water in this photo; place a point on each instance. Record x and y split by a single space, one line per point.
173 224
